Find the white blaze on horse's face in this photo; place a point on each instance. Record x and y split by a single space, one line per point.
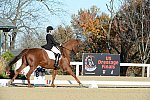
77 54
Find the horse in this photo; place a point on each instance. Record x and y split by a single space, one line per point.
34 57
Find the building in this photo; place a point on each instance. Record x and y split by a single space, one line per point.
5 27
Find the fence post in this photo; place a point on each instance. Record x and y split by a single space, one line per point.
148 71
77 70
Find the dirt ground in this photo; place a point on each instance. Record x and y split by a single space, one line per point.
63 93
77 93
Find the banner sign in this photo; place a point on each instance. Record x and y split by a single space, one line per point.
98 64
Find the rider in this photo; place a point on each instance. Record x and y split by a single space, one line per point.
51 45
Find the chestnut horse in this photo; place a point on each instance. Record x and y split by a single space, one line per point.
34 57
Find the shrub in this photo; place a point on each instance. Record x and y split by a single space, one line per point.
2 65
7 56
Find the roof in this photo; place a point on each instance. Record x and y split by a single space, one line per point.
6 24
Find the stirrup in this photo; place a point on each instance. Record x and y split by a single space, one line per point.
56 66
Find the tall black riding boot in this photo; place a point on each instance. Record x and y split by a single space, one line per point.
57 56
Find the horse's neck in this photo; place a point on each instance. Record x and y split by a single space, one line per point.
68 47
67 53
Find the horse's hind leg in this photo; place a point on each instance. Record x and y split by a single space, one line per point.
16 73
29 74
53 77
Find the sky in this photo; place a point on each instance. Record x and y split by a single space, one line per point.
73 6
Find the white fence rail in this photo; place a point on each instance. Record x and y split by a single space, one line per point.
91 83
77 64
87 83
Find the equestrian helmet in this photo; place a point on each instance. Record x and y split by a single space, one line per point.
49 28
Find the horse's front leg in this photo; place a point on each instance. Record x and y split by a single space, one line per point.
68 69
53 77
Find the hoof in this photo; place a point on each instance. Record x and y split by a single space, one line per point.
81 85
30 86
52 85
9 83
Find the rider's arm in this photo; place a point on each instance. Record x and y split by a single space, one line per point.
53 41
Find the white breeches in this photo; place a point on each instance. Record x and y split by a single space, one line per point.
54 49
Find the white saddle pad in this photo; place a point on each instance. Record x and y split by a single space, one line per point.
51 55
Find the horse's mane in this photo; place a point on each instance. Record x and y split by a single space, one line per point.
68 46
71 40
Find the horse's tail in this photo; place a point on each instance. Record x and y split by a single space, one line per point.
15 59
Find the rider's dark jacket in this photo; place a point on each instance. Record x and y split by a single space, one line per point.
50 42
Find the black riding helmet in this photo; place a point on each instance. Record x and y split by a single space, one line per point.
49 28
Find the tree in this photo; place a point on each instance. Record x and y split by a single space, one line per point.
132 26
32 41
27 15
92 24
63 34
